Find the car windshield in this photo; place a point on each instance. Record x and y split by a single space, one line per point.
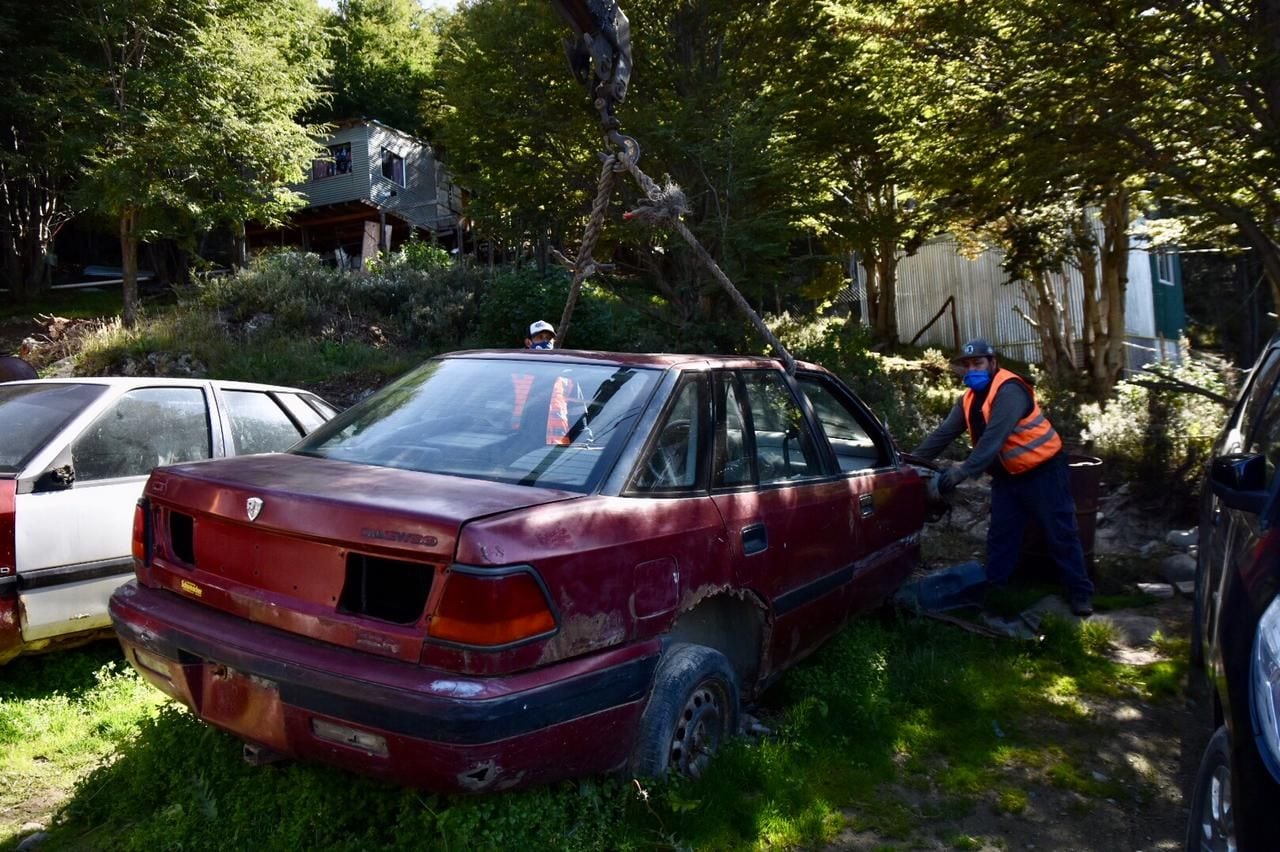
32 414
522 420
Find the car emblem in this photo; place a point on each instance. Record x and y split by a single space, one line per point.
253 507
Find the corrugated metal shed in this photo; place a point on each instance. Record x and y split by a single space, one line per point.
987 300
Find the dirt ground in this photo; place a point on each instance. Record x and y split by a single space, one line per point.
1151 748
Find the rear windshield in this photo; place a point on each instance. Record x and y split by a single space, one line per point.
32 414
518 420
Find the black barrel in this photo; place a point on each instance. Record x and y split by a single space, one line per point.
1086 486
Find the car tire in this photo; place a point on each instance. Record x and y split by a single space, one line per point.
692 710
1211 825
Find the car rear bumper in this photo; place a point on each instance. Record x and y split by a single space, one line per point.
407 723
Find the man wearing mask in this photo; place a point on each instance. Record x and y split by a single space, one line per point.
1014 442
542 335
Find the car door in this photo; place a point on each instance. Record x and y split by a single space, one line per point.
885 502
261 421
1225 531
790 532
75 517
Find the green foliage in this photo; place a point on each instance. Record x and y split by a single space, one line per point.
415 298
383 54
514 299
1158 438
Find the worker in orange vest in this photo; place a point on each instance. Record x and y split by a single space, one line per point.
542 335
1016 444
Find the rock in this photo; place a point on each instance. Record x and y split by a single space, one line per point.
28 827
32 841
1147 549
1177 568
1131 629
1156 590
1183 538
1186 588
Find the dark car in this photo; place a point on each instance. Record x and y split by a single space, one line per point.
1236 802
509 568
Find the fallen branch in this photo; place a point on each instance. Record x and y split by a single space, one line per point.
1169 383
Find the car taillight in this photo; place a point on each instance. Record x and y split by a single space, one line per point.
8 563
140 531
490 611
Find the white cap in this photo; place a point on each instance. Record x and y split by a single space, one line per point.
541 325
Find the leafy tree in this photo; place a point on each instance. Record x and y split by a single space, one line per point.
42 133
718 102
1007 113
1211 126
384 55
196 114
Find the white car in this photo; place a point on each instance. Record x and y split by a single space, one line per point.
74 456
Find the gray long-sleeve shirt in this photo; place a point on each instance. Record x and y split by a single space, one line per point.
1012 403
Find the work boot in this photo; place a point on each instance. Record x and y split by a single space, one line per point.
1081 605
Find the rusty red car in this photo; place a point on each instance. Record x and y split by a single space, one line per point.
507 568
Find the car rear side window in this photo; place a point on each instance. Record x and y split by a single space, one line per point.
31 415
785 448
308 417
143 429
258 424
850 437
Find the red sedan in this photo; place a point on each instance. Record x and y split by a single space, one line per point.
509 568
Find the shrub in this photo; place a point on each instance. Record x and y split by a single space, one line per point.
1156 434
515 298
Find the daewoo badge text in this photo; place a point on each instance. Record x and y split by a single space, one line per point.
400 536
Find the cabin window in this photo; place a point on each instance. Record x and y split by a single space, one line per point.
393 166
1164 268
337 162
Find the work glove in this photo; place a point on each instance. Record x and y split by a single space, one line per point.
947 482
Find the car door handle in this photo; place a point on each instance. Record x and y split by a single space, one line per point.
866 505
755 539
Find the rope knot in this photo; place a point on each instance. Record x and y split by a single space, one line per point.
665 204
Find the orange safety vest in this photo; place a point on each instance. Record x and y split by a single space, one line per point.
1032 442
557 412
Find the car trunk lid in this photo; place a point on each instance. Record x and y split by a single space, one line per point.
337 551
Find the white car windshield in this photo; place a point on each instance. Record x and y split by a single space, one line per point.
520 419
31 414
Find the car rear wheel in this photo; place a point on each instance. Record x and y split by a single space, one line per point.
692 710
1212 823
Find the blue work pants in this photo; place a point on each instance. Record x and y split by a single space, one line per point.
1043 494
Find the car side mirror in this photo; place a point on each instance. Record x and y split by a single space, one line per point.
1240 481
59 478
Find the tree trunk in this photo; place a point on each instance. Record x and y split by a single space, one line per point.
239 246
31 213
1115 281
129 267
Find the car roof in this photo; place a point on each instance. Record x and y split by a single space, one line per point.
155 381
652 360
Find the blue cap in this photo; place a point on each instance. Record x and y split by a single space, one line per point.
976 348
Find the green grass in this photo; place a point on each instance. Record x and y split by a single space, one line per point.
73 304
899 727
61 715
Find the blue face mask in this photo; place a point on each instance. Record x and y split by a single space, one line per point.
544 344
977 380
